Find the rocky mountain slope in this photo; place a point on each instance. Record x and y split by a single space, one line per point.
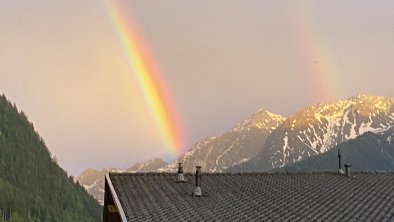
317 129
215 154
368 152
93 179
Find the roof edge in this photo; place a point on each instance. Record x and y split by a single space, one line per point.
250 173
116 199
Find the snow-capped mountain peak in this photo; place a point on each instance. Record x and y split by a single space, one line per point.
237 145
318 128
262 119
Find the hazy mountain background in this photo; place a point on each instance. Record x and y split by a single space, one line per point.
93 180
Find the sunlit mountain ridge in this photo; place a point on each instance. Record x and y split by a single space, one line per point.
239 144
318 128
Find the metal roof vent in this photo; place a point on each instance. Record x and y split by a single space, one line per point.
340 171
181 177
347 167
197 190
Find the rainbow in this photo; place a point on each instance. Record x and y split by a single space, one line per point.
322 70
148 77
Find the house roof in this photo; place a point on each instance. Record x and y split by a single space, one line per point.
255 196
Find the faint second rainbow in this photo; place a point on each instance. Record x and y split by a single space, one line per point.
322 69
148 77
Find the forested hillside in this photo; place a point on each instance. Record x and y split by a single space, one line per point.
32 185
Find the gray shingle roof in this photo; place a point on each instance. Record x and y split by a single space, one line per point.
257 197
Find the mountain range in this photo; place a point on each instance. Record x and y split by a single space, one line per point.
267 141
368 152
239 144
317 129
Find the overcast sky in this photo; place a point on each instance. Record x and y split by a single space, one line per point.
62 63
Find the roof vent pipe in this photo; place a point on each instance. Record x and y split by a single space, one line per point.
340 171
197 189
347 167
181 177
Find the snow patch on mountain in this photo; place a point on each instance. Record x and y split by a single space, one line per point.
318 128
390 139
240 143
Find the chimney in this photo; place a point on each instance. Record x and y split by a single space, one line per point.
197 189
340 171
181 177
347 167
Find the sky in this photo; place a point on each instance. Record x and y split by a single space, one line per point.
67 65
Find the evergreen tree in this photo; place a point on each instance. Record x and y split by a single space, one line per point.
32 186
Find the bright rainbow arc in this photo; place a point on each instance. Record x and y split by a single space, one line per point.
148 78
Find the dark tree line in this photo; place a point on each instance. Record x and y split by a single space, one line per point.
32 186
